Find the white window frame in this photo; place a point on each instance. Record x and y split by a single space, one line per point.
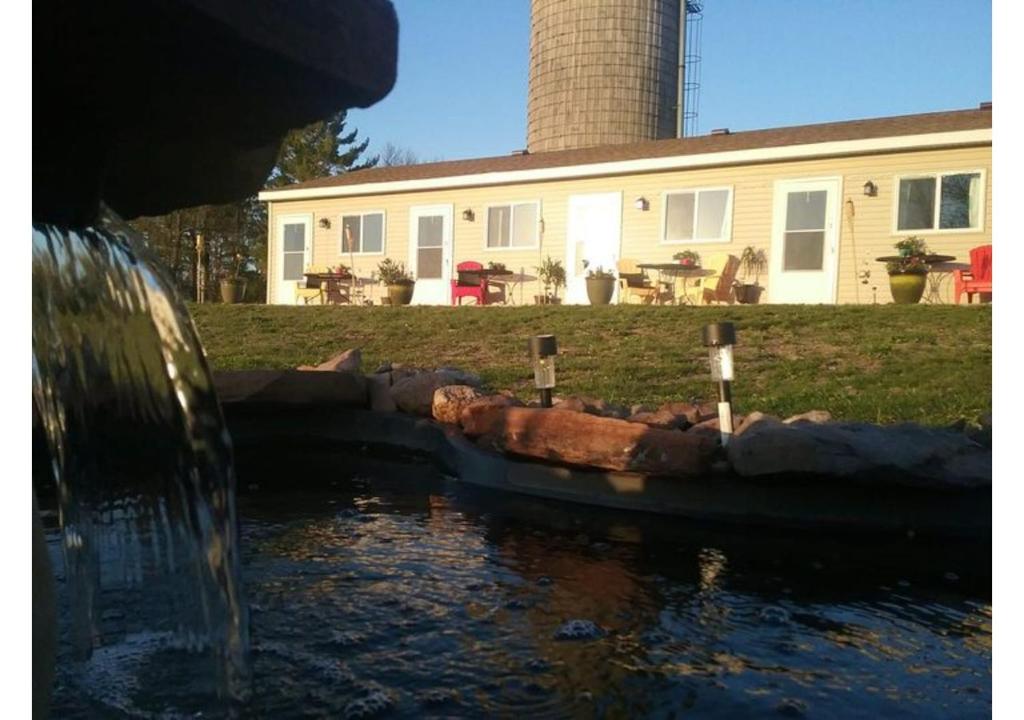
937 176
363 213
511 225
726 222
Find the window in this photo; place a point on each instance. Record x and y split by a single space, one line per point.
943 201
698 215
293 250
516 225
362 234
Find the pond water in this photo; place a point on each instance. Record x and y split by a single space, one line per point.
396 592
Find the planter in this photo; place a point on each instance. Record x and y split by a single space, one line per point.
546 300
747 294
401 294
600 290
907 288
231 291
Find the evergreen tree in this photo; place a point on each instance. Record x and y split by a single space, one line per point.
322 149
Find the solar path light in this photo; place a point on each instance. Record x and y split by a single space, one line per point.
719 339
543 349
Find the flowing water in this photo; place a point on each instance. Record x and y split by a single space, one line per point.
128 434
392 591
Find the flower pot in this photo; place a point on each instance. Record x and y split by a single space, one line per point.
600 290
747 294
401 294
546 300
907 288
231 291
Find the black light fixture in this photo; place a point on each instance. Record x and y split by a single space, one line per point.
719 339
325 223
543 349
641 203
468 215
870 189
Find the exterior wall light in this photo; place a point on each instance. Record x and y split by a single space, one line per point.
641 203
870 189
325 223
719 339
468 215
543 349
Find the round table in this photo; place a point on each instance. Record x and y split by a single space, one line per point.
935 276
677 270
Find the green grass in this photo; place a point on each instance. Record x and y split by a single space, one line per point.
884 363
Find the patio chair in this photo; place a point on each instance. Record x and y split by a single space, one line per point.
633 283
309 291
469 283
713 288
978 279
336 292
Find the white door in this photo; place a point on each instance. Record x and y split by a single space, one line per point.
805 241
593 239
430 253
295 253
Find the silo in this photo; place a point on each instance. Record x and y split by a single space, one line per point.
602 72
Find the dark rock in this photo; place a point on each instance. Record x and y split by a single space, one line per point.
693 413
591 406
291 387
662 419
379 391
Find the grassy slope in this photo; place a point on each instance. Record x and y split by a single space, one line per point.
886 363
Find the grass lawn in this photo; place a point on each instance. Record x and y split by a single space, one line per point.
882 363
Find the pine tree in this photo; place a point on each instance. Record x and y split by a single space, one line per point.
322 149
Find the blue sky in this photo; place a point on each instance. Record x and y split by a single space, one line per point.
463 68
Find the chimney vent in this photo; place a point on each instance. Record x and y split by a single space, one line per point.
985 105
720 131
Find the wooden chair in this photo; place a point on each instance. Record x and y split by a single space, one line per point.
633 283
978 279
336 292
469 283
713 288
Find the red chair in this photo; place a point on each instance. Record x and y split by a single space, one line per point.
469 283
976 280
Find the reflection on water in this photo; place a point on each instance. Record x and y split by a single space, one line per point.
128 434
377 597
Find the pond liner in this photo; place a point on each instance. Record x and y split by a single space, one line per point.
822 503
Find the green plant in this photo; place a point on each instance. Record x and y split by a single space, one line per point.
552 275
753 261
496 266
599 272
393 273
687 257
911 246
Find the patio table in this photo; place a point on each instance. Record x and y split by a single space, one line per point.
314 279
676 270
936 275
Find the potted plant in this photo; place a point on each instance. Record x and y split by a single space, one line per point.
909 274
687 258
232 286
552 277
399 281
600 285
752 262
500 267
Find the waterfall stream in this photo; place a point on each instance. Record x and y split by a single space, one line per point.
137 450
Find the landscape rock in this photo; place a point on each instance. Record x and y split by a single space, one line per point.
415 393
693 414
811 416
348 361
379 391
713 427
589 440
662 419
592 406
905 454
450 400
291 387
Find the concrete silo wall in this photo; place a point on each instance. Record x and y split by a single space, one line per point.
601 72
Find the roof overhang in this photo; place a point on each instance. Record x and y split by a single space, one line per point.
750 156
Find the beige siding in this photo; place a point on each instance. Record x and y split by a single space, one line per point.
868 234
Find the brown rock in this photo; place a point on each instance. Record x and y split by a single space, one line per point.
379 390
348 361
811 416
498 401
592 406
291 387
693 414
584 439
450 400
661 419
415 393
713 427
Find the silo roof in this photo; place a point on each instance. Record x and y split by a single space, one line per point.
942 127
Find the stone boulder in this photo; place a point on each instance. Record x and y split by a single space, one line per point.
450 400
348 361
291 387
713 427
589 440
414 393
904 454
693 414
591 406
661 419
379 391
811 416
